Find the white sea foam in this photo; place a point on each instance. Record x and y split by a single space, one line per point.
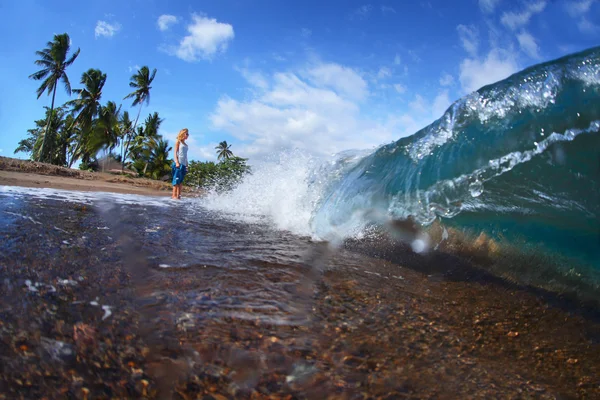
279 192
102 199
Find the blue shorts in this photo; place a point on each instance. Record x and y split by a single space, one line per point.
178 173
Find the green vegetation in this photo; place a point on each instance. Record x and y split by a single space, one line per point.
84 129
219 176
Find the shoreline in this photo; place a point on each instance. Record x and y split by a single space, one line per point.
25 173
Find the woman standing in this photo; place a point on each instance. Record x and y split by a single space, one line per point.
181 162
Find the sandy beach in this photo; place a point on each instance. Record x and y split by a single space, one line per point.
15 172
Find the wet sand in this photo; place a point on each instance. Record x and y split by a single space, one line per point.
361 327
23 179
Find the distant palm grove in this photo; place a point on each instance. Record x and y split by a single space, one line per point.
84 130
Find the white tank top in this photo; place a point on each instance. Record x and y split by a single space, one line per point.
182 154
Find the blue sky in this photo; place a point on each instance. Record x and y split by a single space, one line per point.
267 75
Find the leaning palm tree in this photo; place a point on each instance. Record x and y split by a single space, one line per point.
141 81
87 106
54 63
223 151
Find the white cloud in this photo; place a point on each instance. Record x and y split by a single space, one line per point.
497 65
514 21
400 88
388 10
362 12
342 80
397 60
206 38
134 68
488 6
305 33
579 8
440 104
165 20
446 80
469 36
105 29
321 108
384 72
254 78
586 26
418 105
422 112
528 44
1 150
316 108
415 57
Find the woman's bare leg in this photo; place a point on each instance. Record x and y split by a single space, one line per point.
174 195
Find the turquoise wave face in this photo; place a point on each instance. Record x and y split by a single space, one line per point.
518 158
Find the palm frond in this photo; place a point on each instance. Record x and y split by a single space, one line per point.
67 84
40 74
72 58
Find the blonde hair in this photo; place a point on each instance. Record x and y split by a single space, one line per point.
181 134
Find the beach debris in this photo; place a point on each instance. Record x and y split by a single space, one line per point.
58 350
83 334
66 282
300 373
107 312
61 230
185 321
30 286
24 217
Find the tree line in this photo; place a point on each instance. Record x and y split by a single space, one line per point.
83 128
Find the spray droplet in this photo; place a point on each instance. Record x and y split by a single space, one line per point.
418 245
476 188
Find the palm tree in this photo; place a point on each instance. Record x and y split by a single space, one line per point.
125 131
151 127
141 81
105 132
57 129
159 162
87 105
223 150
54 63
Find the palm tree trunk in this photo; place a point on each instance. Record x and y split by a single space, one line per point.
42 156
74 153
128 139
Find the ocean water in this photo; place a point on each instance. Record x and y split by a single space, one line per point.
518 160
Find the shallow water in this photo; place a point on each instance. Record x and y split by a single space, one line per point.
132 296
